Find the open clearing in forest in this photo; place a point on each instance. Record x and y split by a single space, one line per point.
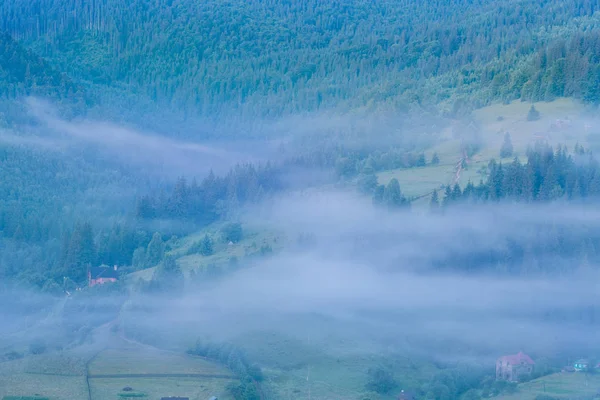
494 121
254 238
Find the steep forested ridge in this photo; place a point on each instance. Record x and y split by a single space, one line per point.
253 60
22 72
264 57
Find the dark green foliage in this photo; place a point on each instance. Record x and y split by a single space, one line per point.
266 249
456 382
250 375
392 196
381 380
493 387
52 288
435 160
421 162
548 176
25 73
367 183
447 197
345 167
214 59
168 277
138 259
81 252
533 114
507 148
37 347
214 197
434 203
246 390
206 246
232 232
12 355
155 250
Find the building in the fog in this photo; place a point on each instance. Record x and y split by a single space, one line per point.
512 368
102 274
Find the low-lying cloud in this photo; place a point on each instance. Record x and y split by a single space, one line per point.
155 154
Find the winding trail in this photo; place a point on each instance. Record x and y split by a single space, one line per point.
217 376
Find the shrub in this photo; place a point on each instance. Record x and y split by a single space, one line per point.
533 114
232 232
37 348
13 355
381 381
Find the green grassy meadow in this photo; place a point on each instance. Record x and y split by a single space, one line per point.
154 373
562 385
149 372
494 121
47 378
254 238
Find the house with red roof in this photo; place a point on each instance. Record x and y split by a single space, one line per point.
101 275
512 368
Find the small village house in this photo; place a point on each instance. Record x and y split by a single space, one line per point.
514 367
102 274
581 365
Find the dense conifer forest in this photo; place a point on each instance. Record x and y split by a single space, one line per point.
262 58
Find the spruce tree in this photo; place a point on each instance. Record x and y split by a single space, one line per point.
168 276
206 246
434 203
533 114
81 252
155 250
507 147
447 197
392 195
378 195
435 160
456 192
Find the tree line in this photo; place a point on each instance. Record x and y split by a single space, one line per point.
550 175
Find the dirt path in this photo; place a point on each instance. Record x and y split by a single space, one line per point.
217 376
459 167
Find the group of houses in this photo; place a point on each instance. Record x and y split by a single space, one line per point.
513 368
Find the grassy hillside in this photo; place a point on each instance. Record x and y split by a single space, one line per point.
558 386
494 121
155 374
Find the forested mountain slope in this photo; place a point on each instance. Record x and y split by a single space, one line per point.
265 58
